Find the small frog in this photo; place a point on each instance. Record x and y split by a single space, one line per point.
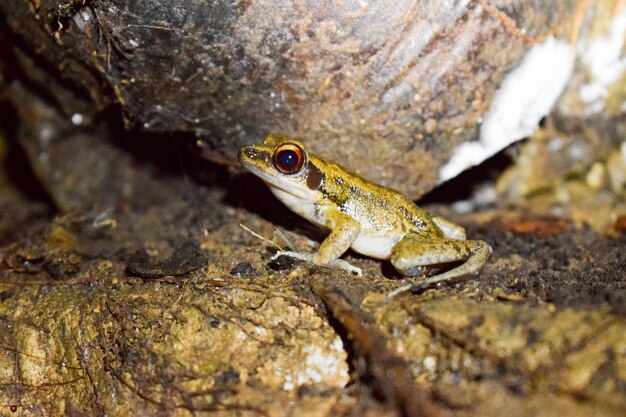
371 219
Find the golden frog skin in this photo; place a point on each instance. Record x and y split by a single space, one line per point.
371 219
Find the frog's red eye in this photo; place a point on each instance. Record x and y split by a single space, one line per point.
288 158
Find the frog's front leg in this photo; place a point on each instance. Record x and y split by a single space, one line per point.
413 254
343 232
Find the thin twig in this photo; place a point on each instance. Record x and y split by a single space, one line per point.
258 236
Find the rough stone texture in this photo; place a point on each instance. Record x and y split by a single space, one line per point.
127 288
539 332
389 89
579 155
87 329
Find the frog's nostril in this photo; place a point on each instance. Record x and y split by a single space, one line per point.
246 151
250 153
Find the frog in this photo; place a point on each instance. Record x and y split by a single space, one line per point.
371 219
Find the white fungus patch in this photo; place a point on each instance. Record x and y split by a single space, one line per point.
288 385
606 63
430 363
78 119
321 365
525 96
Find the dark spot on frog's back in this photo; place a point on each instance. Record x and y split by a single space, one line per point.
314 177
355 190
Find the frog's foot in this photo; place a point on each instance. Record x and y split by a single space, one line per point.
310 257
413 253
346 266
399 290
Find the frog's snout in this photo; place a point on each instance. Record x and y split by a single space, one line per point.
240 152
246 153
251 154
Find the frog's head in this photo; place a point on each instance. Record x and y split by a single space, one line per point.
284 164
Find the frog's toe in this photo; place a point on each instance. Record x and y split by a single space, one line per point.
414 287
303 256
346 266
395 292
279 253
310 257
415 271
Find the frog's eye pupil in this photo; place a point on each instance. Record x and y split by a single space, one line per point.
288 159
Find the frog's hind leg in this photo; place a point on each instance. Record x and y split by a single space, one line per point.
413 254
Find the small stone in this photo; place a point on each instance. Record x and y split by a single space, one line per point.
243 270
282 263
597 177
430 126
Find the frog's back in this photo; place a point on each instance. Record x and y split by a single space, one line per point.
379 210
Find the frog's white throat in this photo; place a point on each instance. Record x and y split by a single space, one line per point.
302 204
286 191
294 185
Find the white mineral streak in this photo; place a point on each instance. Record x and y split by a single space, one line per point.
605 61
525 96
326 366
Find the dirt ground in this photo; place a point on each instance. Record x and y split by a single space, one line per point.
178 310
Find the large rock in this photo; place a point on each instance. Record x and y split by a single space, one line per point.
407 93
